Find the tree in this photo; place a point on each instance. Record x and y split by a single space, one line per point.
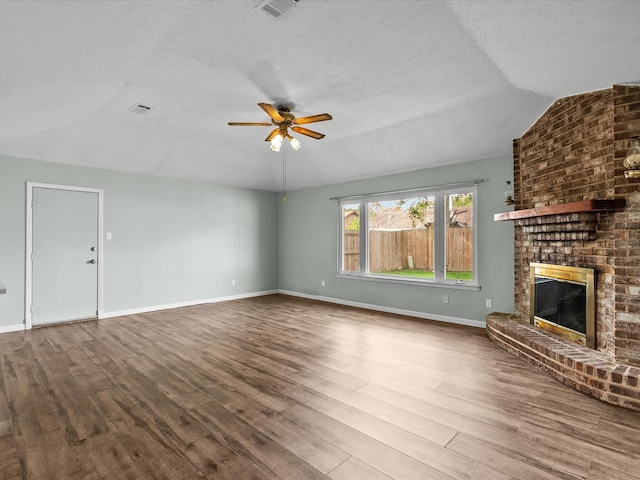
354 225
417 211
456 206
463 200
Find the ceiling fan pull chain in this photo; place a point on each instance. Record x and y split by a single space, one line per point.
284 175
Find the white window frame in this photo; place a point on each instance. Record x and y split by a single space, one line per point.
439 194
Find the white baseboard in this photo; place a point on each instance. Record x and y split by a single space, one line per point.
169 306
12 328
398 311
379 308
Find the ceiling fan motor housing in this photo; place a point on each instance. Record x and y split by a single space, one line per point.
285 112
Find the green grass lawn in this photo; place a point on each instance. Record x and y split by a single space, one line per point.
415 272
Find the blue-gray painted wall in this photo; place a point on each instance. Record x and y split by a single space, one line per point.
176 241
173 241
309 245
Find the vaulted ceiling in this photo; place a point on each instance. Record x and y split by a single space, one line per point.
410 84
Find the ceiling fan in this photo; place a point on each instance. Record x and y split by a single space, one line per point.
283 119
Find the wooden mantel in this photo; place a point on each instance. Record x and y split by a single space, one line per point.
573 207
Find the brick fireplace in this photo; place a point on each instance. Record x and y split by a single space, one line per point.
575 207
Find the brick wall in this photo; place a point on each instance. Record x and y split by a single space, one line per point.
626 123
574 152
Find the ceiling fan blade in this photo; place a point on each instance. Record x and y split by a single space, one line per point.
273 133
313 118
271 111
250 124
308 133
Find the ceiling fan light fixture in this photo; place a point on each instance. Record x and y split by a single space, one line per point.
276 143
295 143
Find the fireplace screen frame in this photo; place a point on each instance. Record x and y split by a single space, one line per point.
566 273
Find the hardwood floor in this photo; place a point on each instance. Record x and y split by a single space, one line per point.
283 388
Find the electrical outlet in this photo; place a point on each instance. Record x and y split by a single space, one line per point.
445 298
233 283
323 284
487 303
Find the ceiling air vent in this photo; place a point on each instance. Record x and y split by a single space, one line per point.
139 109
275 8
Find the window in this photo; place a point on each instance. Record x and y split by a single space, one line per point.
414 236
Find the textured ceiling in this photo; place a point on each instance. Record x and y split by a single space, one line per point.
410 84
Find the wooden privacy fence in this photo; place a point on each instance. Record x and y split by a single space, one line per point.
351 251
389 249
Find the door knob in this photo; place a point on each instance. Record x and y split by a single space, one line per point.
91 261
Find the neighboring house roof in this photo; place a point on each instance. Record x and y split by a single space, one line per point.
464 215
400 220
392 219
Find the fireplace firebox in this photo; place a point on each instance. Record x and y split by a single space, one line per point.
563 301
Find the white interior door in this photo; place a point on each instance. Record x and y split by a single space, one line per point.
65 234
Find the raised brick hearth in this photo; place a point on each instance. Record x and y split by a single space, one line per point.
574 153
586 370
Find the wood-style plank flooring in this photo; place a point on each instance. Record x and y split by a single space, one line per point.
278 387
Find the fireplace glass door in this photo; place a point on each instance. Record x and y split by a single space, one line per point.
563 301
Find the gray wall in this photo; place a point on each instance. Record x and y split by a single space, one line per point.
172 241
309 245
177 241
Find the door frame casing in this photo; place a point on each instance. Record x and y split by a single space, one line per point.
28 315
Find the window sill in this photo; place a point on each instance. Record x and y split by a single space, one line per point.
409 281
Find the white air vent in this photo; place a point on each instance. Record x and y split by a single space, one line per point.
275 8
139 109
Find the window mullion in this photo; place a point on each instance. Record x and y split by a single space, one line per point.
364 237
439 232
